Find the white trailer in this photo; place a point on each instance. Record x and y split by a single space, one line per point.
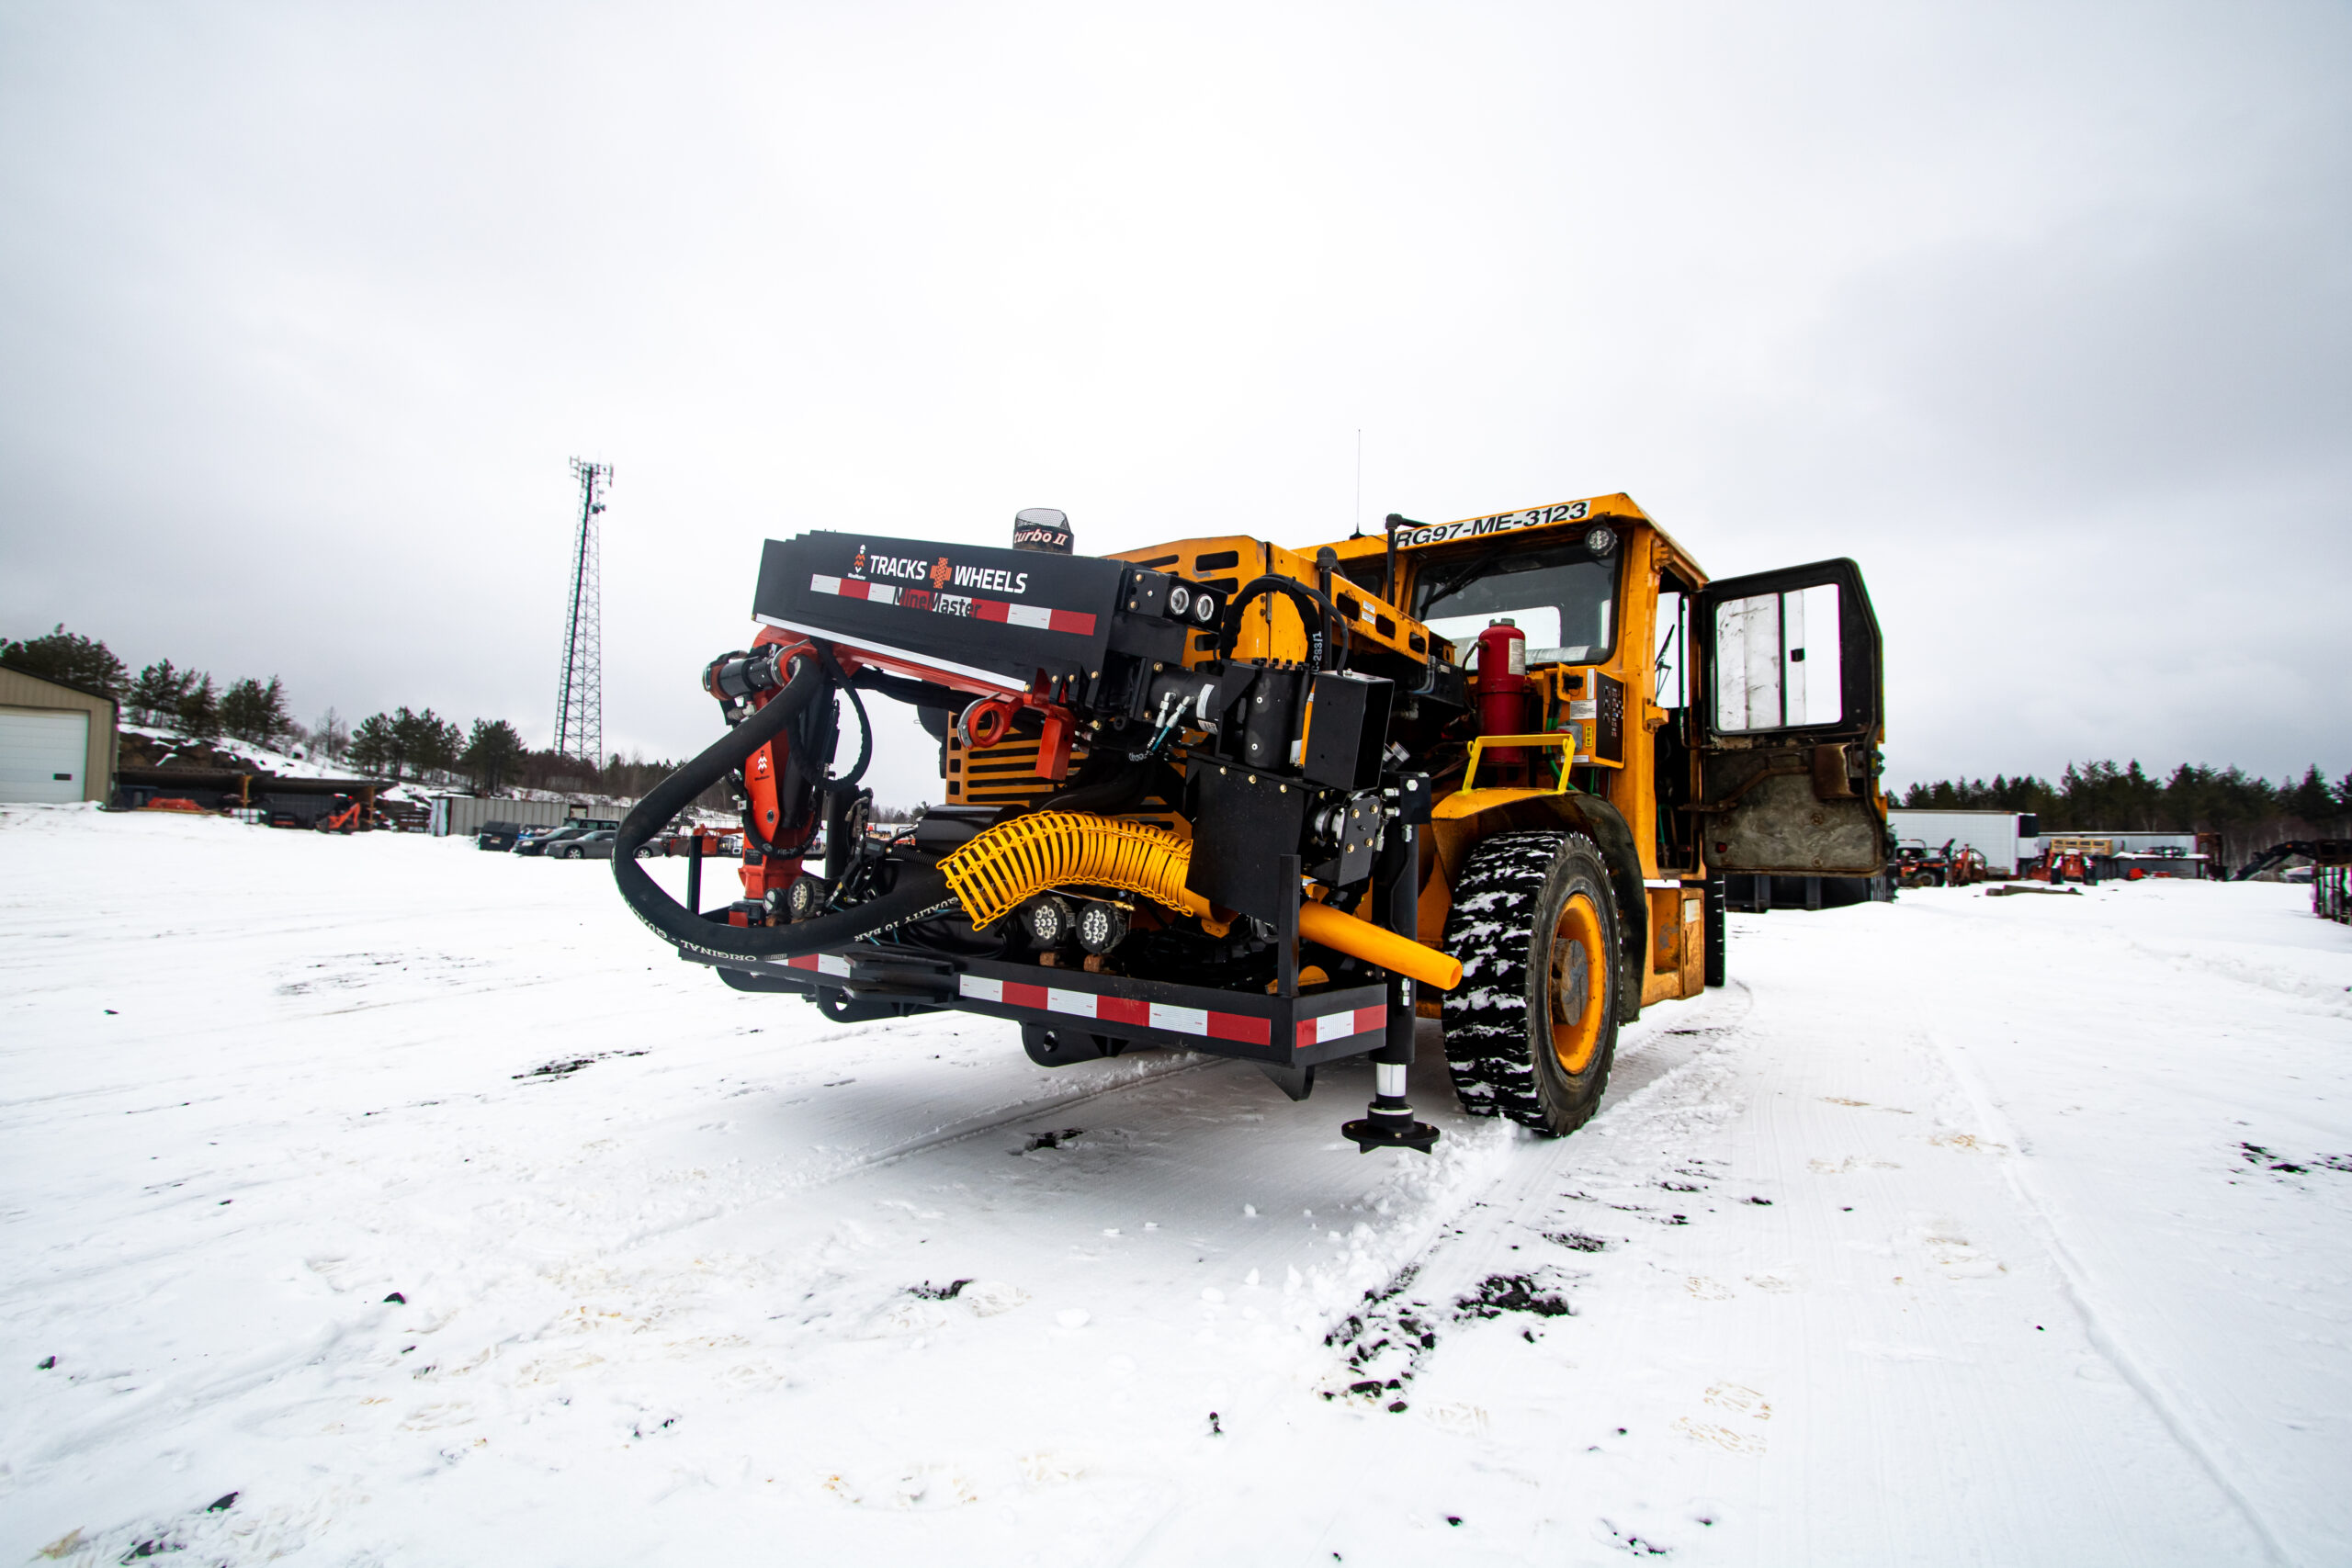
1993 834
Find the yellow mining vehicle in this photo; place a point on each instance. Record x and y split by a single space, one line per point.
1274 803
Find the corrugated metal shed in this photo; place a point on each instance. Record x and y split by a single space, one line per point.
39 745
465 815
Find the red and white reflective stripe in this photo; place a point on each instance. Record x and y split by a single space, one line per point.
1036 616
822 963
1341 1026
1202 1021
880 592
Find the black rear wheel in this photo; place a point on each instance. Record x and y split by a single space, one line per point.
1531 1031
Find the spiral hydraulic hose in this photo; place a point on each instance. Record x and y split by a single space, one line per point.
918 893
1008 864
1015 861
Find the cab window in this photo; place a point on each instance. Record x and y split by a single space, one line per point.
1563 598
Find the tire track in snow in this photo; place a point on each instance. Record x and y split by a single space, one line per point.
1664 1075
2085 1298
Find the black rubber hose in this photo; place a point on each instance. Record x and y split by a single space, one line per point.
1305 600
865 742
916 694
919 892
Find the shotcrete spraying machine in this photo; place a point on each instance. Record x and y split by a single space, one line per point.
1211 794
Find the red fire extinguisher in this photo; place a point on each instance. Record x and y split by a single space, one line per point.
1502 691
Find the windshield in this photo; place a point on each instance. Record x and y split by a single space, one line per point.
1562 598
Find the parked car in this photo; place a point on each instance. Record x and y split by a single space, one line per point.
595 844
540 841
500 836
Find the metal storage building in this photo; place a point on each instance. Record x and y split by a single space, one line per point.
465 815
57 743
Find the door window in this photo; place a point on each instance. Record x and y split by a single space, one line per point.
1668 664
1779 661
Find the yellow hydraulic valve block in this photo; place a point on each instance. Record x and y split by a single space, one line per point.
1004 866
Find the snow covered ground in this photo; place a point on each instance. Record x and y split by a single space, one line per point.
377 1201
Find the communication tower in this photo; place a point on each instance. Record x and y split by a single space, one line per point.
580 700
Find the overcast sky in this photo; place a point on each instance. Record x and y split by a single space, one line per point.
2042 314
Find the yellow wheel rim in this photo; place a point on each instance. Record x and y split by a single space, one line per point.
1578 983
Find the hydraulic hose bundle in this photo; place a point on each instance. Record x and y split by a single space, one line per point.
919 892
985 879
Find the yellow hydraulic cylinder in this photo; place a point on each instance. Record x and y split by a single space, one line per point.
1362 939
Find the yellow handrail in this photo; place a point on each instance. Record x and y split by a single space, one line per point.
1563 738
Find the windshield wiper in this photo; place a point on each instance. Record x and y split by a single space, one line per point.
1449 586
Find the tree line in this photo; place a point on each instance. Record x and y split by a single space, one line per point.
403 744
2249 811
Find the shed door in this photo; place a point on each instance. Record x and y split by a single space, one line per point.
42 755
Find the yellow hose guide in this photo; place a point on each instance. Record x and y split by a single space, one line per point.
1015 861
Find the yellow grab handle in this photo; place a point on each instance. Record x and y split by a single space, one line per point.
1362 939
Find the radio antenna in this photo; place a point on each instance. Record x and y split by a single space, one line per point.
1355 522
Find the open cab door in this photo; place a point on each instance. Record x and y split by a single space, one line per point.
1793 695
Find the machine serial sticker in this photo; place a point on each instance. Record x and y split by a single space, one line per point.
1036 616
1497 523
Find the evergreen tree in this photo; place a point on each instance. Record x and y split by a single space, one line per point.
493 753
276 718
156 697
251 711
424 740
373 747
2312 799
69 657
200 713
2193 798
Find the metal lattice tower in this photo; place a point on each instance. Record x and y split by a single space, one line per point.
580 700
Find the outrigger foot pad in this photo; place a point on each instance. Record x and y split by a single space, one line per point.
1390 1125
